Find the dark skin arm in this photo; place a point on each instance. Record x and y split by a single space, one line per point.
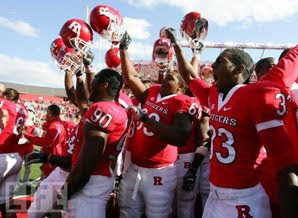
285 160
69 87
288 191
203 133
81 97
175 134
91 152
195 60
61 161
131 78
186 69
89 77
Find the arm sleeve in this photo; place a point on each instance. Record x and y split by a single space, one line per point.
201 90
279 147
286 71
47 140
269 111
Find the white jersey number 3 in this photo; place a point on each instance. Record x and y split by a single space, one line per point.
230 155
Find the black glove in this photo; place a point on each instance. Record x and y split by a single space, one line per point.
79 73
36 157
137 114
197 46
189 179
125 41
171 32
88 58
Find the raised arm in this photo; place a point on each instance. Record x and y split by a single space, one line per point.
87 60
286 71
69 87
186 69
81 96
130 75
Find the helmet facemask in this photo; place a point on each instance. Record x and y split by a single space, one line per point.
80 45
71 62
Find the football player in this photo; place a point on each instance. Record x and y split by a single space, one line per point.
242 119
165 122
12 120
91 181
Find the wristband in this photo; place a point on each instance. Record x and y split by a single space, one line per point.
196 55
88 69
144 118
200 143
203 150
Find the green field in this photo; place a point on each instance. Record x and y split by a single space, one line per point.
24 189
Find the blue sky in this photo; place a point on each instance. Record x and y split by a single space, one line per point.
28 27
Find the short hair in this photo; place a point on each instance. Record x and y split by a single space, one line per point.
284 52
11 94
54 109
113 78
264 62
238 57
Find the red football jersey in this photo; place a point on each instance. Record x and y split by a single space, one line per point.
191 143
285 73
74 142
124 101
147 149
68 125
110 118
11 134
132 128
27 147
236 123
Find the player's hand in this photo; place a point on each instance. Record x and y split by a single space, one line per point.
137 114
197 46
189 179
79 73
88 58
172 35
125 41
36 157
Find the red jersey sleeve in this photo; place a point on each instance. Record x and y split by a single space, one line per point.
286 71
270 107
48 139
201 90
192 107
